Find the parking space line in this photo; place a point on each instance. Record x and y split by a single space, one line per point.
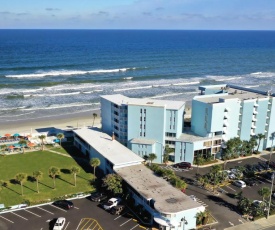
67 225
79 224
31 212
45 210
117 217
86 223
19 215
125 222
7 219
92 225
58 208
231 188
76 207
134 227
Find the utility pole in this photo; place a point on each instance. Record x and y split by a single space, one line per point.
270 195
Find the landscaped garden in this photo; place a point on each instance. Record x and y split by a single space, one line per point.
23 169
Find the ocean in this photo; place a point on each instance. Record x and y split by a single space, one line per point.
45 73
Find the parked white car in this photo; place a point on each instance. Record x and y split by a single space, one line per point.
240 183
59 224
111 203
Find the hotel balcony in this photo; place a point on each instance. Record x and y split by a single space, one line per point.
255 112
254 119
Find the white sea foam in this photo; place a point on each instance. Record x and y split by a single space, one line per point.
167 95
59 106
263 74
126 89
40 74
252 86
228 79
187 83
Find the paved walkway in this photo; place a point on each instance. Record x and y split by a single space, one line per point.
256 225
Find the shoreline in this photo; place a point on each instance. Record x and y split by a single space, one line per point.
65 122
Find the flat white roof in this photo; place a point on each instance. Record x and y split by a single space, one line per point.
112 150
121 99
167 198
143 141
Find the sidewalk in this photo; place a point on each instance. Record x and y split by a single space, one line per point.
256 225
236 159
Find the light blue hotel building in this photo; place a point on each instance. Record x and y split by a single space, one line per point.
143 125
219 113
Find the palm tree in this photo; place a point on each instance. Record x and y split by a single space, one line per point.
23 143
252 143
75 170
151 157
42 138
60 136
94 116
20 178
198 161
165 158
53 172
94 162
37 175
264 192
260 136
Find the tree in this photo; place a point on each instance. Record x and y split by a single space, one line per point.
94 162
94 116
264 192
42 138
20 178
244 205
151 157
23 143
165 158
198 161
53 172
37 175
214 171
252 143
60 136
75 170
113 183
260 136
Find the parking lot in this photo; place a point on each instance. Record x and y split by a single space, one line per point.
85 215
222 204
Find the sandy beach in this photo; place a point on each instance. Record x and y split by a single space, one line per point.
65 122
68 121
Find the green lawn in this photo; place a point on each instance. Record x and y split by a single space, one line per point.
30 162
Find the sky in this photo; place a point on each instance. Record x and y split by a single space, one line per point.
138 14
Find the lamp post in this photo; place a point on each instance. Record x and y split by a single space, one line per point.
184 221
270 195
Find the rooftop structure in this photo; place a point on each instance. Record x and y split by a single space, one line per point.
167 198
119 99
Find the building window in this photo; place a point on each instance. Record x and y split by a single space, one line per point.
144 118
140 134
144 126
140 110
141 126
140 118
145 111
144 134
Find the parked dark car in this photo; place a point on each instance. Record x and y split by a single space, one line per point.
264 165
66 204
250 182
117 209
183 165
271 164
98 196
268 175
